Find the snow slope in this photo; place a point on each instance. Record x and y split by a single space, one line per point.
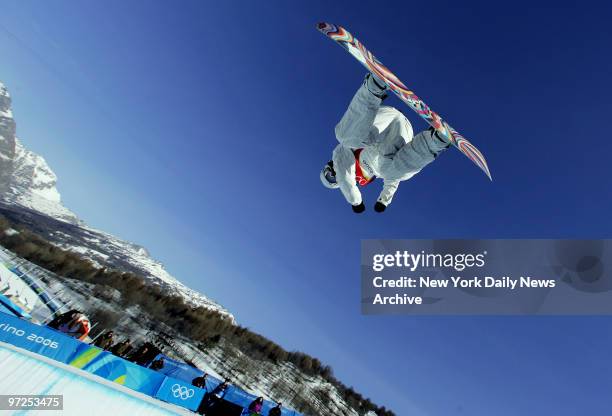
79 389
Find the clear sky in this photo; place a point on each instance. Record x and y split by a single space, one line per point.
198 129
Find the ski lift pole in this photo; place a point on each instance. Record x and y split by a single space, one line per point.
97 336
93 326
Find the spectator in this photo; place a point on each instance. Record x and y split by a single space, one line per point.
145 354
157 364
122 349
77 327
105 340
141 355
255 407
276 410
63 319
200 381
213 398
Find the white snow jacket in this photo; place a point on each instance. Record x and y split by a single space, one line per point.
389 131
389 149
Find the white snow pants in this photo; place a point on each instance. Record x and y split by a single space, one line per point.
400 156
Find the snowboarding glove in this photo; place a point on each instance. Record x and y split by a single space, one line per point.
358 209
379 207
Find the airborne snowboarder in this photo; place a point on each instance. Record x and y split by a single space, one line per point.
377 142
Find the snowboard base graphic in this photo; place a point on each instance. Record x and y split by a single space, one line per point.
343 38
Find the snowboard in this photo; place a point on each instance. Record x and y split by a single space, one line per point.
343 38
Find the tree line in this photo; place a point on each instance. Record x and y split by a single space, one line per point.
203 325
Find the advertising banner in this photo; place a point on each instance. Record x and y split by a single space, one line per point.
35 338
178 369
104 364
180 393
239 397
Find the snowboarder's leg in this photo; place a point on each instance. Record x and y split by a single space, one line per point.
354 127
418 153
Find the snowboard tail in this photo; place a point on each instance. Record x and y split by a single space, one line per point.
344 38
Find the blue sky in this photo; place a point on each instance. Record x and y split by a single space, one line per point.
198 129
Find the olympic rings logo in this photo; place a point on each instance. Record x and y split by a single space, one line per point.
182 392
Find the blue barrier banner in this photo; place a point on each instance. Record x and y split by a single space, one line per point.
212 383
239 397
242 398
104 364
10 307
180 393
6 310
60 347
178 369
36 338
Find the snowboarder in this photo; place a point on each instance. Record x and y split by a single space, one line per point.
377 142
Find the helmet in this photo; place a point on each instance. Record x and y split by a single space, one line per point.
328 176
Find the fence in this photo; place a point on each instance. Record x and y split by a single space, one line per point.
60 347
171 384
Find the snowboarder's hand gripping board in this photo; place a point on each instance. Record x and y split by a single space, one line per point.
343 38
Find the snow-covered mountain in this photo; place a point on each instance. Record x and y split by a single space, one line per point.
33 183
7 140
28 194
25 177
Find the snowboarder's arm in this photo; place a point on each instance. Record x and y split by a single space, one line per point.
349 188
389 189
344 165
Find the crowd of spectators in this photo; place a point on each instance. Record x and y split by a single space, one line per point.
213 398
145 355
73 323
